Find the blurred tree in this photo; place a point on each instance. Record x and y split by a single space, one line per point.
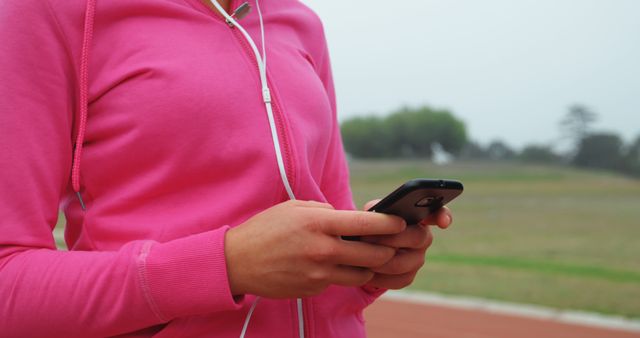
367 137
539 154
407 132
415 131
577 123
632 158
473 151
601 150
499 150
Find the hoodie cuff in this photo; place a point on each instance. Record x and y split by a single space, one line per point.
371 293
187 276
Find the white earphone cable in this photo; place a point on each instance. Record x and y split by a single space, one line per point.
248 318
266 94
300 318
266 98
264 51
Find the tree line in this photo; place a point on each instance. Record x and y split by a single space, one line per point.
422 131
405 133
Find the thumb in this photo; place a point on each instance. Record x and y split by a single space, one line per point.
370 204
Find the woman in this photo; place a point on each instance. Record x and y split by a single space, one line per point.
145 120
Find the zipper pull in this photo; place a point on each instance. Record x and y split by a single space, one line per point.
239 13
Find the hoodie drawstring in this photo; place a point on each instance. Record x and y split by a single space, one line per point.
84 97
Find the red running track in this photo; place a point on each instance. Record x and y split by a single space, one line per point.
396 319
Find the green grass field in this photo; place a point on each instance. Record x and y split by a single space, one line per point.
552 236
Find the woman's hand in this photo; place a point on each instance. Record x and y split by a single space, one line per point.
411 246
295 249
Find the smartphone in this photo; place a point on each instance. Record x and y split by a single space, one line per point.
417 198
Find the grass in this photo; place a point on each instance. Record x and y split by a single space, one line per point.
562 291
540 267
545 235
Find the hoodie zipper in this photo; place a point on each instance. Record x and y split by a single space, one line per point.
282 136
285 145
277 114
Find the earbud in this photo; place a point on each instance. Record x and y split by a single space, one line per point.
240 12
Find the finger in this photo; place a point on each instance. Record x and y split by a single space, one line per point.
350 276
393 282
413 237
370 204
405 261
362 254
313 204
360 223
442 218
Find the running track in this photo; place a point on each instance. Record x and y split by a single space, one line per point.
398 319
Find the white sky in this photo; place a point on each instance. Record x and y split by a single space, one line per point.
508 68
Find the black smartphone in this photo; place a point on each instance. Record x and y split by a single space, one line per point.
417 198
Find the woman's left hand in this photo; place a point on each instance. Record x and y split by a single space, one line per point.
411 246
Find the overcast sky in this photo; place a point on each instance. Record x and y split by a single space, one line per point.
508 68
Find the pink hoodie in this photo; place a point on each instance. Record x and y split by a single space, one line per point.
174 149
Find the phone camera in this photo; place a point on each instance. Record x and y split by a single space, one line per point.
429 201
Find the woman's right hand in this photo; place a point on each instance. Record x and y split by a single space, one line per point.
294 249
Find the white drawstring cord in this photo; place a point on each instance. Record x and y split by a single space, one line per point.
266 98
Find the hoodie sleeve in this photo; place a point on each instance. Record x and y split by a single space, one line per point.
46 292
